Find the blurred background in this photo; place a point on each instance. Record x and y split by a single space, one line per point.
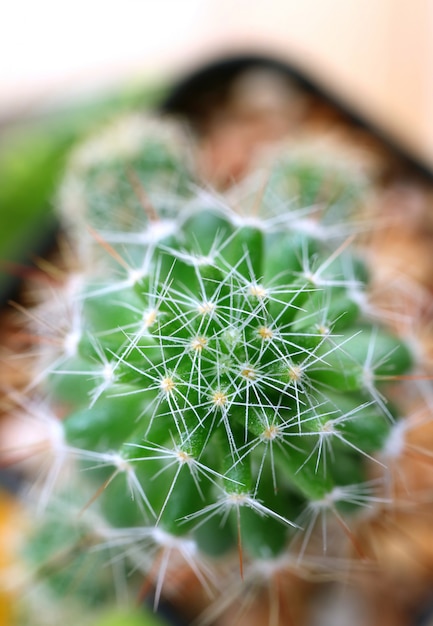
377 53
64 65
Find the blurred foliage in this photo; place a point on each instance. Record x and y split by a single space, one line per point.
132 618
33 153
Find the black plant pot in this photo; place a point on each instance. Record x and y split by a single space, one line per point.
208 87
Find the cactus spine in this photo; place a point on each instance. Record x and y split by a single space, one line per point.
225 384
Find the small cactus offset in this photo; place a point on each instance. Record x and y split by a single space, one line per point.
224 385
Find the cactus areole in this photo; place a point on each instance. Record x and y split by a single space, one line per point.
223 379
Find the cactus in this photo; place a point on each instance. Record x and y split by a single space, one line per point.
225 386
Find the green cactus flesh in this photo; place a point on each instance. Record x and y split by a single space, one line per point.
221 378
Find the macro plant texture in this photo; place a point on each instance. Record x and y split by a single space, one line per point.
216 384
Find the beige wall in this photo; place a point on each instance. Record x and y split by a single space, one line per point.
377 52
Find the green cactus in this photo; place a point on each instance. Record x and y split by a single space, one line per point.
225 383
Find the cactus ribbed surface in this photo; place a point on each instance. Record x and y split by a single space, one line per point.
223 382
